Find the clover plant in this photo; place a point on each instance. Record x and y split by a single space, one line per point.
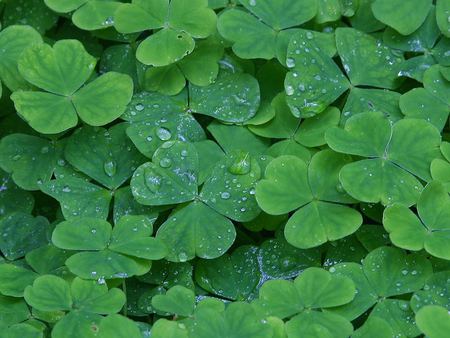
224 168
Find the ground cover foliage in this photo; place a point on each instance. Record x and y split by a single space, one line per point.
243 168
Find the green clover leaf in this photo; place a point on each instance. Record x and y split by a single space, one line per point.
385 272
290 184
31 160
323 82
241 267
175 39
14 279
79 197
237 320
13 310
115 159
441 14
435 292
255 33
61 71
314 289
395 156
87 14
374 327
200 68
433 320
172 177
22 233
37 15
404 17
14 41
12 198
121 252
429 230
177 300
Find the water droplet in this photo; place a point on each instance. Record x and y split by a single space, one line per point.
152 180
241 164
290 62
16 157
184 153
165 162
149 138
309 35
61 162
182 257
139 107
252 3
66 189
110 168
44 150
163 134
289 90
225 195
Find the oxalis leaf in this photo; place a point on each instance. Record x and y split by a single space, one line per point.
396 157
121 252
290 184
61 71
175 39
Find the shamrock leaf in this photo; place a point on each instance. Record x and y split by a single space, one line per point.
314 190
14 279
433 320
239 105
395 157
407 273
79 197
37 15
118 326
177 300
115 159
200 68
241 267
313 290
398 314
442 13
30 159
21 233
393 13
323 82
13 310
87 14
257 32
366 60
172 177
237 320
14 41
374 327
123 251
435 292
430 230
12 198
187 235
61 71
175 39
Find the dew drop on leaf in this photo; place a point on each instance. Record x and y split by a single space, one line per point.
241 164
225 195
152 180
165 162
163 134
182 257
110 168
